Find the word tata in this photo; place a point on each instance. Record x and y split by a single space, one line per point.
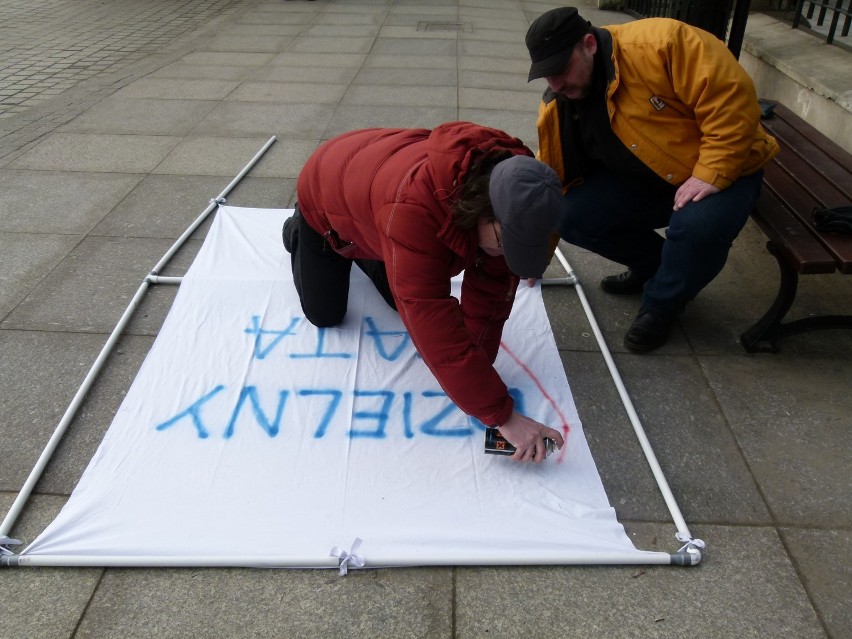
389 345
429 412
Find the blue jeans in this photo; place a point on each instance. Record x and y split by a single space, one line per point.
608 217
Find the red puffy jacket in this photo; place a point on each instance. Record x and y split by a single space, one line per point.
389 192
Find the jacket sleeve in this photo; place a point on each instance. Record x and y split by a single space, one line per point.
708 79
488 293
457 341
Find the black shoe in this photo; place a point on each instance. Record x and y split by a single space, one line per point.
649 331
627 283
290 232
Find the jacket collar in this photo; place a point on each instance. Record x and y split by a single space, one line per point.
604 53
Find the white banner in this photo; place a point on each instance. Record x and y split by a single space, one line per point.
251 437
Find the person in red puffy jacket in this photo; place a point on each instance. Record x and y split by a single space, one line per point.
413 208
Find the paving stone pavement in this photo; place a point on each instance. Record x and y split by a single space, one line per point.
157 105
51 46
58 57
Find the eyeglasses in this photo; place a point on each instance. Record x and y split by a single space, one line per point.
496 236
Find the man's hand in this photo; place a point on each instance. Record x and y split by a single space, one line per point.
693 190
527 436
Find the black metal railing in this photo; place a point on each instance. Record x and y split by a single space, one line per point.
711 15
652 8
825 14
829 19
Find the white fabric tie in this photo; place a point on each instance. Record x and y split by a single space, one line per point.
217 200
4 541
346 558
688 541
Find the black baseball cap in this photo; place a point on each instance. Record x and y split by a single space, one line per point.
551 39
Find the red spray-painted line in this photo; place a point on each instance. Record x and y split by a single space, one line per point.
565 427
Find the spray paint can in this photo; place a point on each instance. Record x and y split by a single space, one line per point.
496 444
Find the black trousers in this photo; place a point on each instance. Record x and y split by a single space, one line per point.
321 275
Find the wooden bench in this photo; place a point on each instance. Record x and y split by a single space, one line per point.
811 172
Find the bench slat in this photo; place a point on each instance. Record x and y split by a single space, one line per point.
777 180
803 175
805 254
825 156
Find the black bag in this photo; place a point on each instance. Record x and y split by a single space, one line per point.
836 220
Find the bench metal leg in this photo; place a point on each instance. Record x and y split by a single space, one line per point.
762 337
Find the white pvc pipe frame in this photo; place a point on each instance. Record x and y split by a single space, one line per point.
689 555
225 561
628 406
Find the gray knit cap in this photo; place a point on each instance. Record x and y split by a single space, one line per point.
526 197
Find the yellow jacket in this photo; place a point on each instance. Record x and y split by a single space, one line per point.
678 99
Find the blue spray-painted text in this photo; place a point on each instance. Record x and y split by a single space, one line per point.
372 413
389 344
